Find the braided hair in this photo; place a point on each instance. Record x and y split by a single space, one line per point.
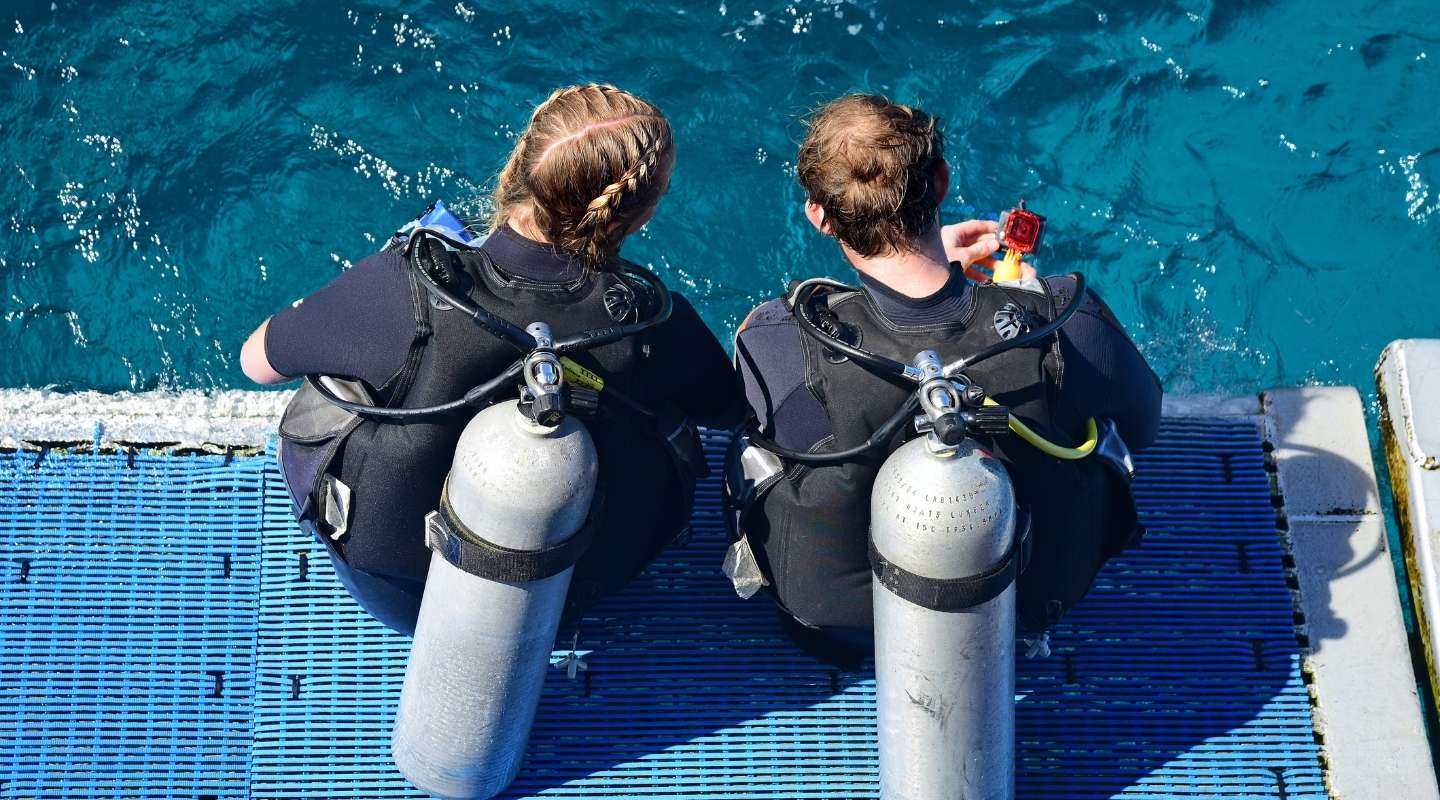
590 164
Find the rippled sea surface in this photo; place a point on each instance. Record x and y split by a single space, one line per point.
1253 186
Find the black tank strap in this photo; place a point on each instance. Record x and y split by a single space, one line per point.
957 594
467 550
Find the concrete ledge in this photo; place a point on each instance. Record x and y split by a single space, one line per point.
191 419
1204 405
1367 708
1408 379
239 418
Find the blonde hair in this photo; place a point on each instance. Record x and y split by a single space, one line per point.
589 164
870 164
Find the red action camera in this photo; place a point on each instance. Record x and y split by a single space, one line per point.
1020 230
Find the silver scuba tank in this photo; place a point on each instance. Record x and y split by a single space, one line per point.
945 554
504 545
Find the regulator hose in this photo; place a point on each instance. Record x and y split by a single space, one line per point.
878 439
899 372
509 333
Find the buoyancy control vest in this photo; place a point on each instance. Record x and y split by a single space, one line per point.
808 525
363 479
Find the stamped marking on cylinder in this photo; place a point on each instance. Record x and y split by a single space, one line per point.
959 512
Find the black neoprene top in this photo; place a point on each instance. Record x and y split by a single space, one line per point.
1101 364
360 326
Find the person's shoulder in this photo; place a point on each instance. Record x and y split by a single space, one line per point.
387 262
768 336
1092 305
769 313
1063 288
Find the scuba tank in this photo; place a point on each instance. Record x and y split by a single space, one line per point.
504 542
944 672
947 544
514 517
944 555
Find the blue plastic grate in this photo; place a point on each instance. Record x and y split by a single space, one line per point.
1177 678
127 624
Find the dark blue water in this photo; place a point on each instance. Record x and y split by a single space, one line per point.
1253 186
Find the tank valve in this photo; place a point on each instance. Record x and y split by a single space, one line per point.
544 395
940 400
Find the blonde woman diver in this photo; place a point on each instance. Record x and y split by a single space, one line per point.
589 170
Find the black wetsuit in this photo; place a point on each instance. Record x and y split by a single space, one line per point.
362 326
827 586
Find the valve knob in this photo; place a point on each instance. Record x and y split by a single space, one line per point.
989 421
950 428
584 401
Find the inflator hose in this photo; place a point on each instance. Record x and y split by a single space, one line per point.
1049 448
511 334
517 336
891 369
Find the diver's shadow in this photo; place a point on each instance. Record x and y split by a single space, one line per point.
1182 645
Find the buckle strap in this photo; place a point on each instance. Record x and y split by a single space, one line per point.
956 594
467 550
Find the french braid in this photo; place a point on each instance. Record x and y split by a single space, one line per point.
595 234
588 165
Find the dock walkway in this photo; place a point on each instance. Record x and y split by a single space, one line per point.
166 631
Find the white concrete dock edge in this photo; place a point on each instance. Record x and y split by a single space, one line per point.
239 418
180 419
1408 378
1367 706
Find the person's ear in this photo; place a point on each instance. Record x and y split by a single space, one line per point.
942 181
816 215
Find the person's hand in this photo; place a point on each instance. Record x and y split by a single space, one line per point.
970 241
975 273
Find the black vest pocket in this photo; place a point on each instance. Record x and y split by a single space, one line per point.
312 430
1071 505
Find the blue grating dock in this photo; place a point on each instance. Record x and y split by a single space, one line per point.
166 632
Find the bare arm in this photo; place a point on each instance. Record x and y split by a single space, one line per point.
253 360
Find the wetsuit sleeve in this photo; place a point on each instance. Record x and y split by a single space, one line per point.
1105 370
359 325
771 360
689 368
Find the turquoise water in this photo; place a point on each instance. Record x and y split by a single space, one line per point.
1230 175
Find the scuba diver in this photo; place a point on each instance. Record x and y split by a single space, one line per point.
825 418
392 348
